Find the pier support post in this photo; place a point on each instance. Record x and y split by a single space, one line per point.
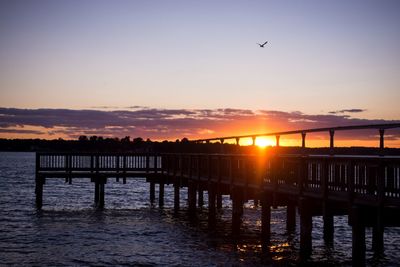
152 192
237 210
101 192
176 196
377 232
327 217
192 197
96 191
201 198
211 207
256 202
161 195
266 202
39 192
219 201
290 217
305 228
358 232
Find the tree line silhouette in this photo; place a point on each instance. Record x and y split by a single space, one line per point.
126 144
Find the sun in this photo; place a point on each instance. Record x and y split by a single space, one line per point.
264 142
261 141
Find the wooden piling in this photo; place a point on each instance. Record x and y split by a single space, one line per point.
358 237
327 217
237 210
211 207
39 192
201 198
378 228
152 192
290 217
96 191
192 186
256 202
161 195
305 228
176 196
266 202
377 232
101 192
219 201
38 184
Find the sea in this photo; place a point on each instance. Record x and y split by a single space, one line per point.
70 231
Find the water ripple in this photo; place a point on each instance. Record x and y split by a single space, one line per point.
69 231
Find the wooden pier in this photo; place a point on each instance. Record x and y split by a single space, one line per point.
366 188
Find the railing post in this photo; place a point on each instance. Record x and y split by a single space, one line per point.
151 177
70 169
331 139
147 163
351 181
117 167
277 140
303 139
381 141
302 175
97 181
231 170
190 167
97 163
91 166
124 168
222 145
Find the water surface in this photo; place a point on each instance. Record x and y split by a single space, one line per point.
70 231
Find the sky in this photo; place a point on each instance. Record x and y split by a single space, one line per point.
337 62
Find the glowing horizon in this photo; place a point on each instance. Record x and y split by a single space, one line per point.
164 124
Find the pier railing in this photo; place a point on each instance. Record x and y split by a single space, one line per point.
98 162
365 179
381 129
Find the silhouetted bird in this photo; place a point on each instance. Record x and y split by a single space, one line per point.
262 45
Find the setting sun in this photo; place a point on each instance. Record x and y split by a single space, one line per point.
265 141
260 141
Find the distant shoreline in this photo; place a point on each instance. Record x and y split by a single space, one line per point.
183 146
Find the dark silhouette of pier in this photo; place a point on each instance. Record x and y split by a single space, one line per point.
364 187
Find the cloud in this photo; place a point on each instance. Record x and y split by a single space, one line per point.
353 110
172 123
20 131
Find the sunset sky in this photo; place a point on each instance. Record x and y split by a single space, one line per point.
173 69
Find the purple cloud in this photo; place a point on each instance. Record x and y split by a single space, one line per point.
174 123
353 110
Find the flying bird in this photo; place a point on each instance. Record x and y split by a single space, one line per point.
262 45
